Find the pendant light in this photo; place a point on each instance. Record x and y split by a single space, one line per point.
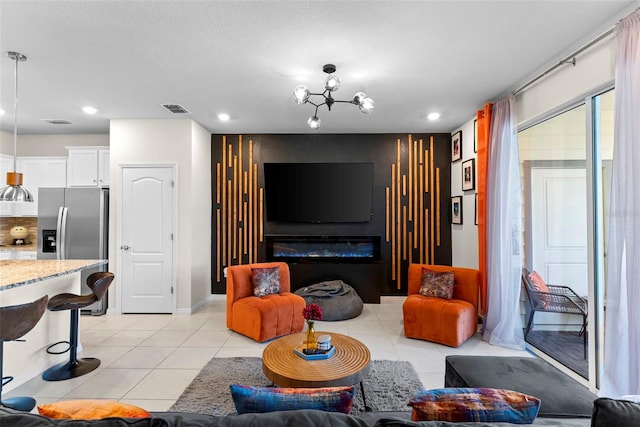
302 95
14 191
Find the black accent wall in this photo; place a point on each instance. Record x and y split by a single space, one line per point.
239 220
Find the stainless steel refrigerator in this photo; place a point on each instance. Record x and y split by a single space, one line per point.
73 223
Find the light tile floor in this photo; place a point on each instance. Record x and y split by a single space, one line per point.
148 360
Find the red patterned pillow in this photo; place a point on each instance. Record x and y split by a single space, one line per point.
474 404
265 281
88 409
436 284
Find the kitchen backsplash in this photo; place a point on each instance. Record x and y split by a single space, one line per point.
6 223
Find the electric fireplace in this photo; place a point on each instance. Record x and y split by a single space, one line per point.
323 249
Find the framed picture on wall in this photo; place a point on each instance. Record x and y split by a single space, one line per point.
456 146
456 210
476 222
475 136
469 175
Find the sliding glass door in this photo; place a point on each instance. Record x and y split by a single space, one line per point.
553 156
602 143
566 165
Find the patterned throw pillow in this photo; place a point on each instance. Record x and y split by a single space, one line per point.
248 399
540 286
88 409
538 282
474 404
436 284
265 281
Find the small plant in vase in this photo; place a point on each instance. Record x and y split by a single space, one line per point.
311 312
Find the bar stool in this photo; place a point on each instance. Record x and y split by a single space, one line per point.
98 283
15 322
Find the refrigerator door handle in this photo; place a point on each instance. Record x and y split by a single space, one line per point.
58 232
62 232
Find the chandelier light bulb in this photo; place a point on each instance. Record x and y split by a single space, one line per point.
359 97
314 122
367 105
333 83
301 94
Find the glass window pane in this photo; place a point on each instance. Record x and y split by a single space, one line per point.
553 156
603 112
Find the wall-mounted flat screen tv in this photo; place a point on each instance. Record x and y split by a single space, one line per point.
318 192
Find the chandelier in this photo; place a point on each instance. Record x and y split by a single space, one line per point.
303 96
14 191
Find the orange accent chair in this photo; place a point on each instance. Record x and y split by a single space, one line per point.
449 322
266 317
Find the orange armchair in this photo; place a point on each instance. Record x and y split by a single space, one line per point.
449 322
262 318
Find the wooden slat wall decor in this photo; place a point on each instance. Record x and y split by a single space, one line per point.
236 198
410 209
413 203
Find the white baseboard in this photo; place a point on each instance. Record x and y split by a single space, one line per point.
195 307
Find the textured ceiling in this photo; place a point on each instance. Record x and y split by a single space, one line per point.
126 58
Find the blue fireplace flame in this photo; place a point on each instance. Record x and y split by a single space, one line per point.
322 250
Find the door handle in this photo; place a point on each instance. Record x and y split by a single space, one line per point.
125 247
61 248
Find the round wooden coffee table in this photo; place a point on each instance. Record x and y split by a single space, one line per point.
349 365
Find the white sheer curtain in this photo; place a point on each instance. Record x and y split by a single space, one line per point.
503 325
622 316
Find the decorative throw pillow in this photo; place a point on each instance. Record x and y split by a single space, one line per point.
538 282
248 399
436 284
87 409
540 286
474 404
615 413
265 281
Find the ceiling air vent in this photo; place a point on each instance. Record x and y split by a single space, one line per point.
57 121
175 108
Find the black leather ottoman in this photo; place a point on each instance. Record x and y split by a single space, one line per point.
560 395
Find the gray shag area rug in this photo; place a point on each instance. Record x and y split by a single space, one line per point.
388 387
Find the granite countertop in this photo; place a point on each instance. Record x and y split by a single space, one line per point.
30 247
14 273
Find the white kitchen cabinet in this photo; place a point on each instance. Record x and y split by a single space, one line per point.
39 172
88 167
103 167
36 172
6 165
16 254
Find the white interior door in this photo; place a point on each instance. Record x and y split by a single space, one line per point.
147 206
559 232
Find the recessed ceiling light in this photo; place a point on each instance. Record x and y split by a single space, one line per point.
89 110
223 117
433 116
1 112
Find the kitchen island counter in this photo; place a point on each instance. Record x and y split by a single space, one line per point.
15 273
23 281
